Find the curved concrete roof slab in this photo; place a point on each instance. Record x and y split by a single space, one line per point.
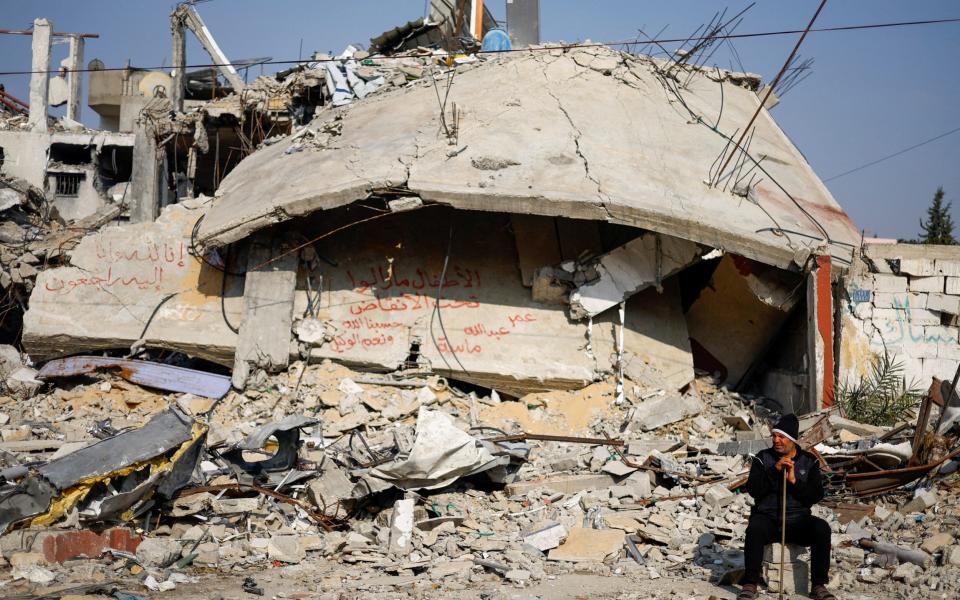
587 133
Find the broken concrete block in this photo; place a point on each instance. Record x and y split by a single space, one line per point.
285 548
565 484
27 560
921 502
796 577
626 270
329 489
861 429
158 552
544 536
739 421
908 573
645 447
617 468
349 387
742 448
937 542
791 554
22 383
651 414
588 545
401 527
310 331
951 556
719 496
517 575
10 360
547 289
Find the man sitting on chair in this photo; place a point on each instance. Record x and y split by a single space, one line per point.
801 470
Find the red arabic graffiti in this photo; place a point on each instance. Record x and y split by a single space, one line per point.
345 343
445 347
66 286
166 252
405 302
385 279
481 330
527 318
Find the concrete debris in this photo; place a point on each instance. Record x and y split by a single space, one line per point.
621 273
284 492
545 536
653 414
588 545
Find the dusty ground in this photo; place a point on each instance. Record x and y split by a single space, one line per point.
299 582
318 580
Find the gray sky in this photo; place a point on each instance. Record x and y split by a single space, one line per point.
871 93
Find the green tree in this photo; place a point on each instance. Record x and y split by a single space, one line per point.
939 226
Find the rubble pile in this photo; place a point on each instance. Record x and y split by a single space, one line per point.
391 479
26 220
276 405
305 91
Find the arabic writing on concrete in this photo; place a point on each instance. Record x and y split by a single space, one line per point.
375 322
393 278
142 265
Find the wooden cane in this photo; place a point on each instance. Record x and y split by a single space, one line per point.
783 527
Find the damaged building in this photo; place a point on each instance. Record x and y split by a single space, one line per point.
512 243
79 170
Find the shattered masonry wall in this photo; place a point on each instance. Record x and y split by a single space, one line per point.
911 310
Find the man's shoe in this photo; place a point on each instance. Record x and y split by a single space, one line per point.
820 592
749 592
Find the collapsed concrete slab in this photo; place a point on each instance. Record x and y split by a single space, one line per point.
637 265
133 282
387 297
566 137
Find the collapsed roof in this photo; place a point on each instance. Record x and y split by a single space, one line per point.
587 133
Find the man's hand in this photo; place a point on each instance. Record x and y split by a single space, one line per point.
787 463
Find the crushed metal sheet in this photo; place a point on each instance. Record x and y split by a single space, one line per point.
141 372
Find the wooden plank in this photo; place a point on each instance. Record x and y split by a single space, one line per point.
268 296
537 244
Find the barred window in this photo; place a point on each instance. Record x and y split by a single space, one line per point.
68 184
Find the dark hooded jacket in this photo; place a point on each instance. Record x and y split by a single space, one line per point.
765 482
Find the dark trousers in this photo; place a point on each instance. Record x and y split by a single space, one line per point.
809 531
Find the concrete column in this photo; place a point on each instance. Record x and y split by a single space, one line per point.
145 179
75 77
820 358
40 80
179 60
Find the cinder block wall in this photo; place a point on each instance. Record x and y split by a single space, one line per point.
904 299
